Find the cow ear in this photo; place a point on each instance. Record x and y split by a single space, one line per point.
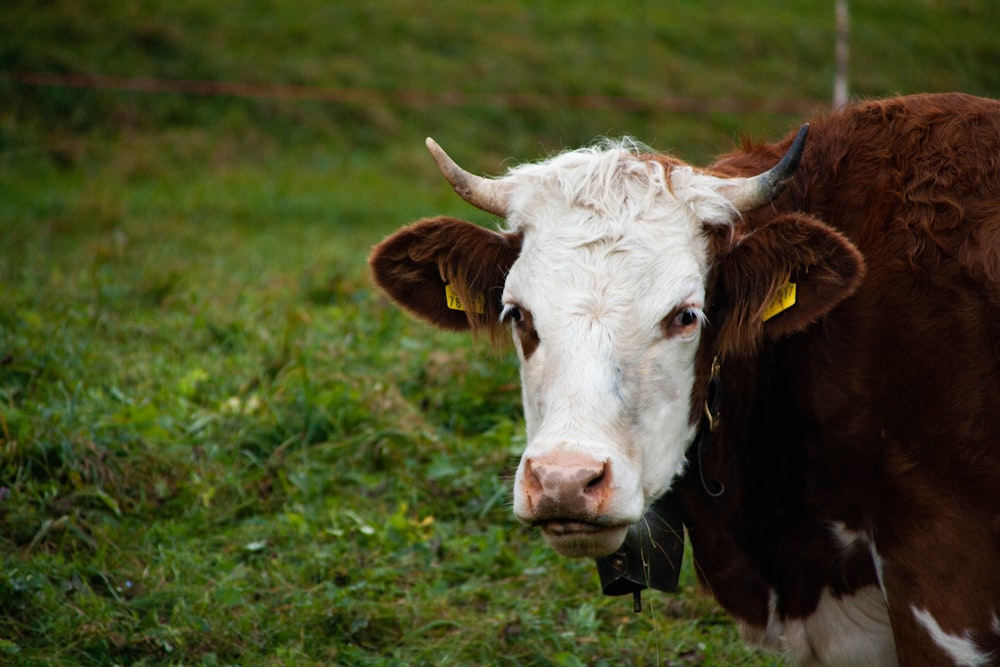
780 277
447 272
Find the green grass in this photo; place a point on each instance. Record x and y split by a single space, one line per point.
218 444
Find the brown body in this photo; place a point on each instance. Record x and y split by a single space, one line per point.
884 416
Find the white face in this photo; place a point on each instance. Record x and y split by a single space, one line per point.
606 306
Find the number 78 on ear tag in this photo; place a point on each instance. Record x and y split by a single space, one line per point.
456 304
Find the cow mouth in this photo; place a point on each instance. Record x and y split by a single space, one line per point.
578 539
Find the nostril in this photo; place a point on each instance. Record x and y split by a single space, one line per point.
532 476
598 481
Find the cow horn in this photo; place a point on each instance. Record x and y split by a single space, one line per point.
483 193
758 190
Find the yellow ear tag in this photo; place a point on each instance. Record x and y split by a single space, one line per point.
456 304
783 300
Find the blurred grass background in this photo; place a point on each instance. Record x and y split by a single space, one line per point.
218 446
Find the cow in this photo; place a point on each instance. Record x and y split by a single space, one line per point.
799 343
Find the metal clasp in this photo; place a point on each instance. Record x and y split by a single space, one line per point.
713 398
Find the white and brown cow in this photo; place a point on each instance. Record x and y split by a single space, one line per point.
846 509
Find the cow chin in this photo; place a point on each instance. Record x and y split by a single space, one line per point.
583 540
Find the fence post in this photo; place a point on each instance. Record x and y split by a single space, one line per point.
840 56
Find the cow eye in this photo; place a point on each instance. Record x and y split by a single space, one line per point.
682 322
686 317
523 328
511 313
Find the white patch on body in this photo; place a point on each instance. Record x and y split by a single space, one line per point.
848 538
879 570
960 648
848 631
851 539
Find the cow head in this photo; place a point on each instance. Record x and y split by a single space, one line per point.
607 275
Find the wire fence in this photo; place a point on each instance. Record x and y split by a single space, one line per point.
413 98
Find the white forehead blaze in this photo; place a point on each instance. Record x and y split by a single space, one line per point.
612 245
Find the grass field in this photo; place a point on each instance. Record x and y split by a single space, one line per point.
218 445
